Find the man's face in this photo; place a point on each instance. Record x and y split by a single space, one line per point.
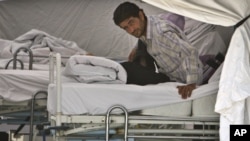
134 25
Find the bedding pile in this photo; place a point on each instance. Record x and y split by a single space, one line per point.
41 44
93 69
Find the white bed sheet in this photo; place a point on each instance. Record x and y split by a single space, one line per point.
204 106
20 85
93 99
184 110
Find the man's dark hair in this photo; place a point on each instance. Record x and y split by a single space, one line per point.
124 11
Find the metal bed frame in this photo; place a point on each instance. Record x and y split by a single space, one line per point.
126 126
28 112
15 60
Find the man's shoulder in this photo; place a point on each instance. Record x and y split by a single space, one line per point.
168 19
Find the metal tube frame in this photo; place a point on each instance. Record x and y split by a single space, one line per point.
8 63
30 57
32 113
125 121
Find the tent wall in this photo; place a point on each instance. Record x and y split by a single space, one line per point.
87 22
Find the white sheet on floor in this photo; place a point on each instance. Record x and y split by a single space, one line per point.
80 98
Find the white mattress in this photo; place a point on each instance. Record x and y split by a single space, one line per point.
204 106
80 98
184 109
20 85
17 86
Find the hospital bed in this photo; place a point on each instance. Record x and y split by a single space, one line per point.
19 99
23 97
76 109
23 89
23 92
29 54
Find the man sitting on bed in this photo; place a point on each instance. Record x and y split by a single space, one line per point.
165 42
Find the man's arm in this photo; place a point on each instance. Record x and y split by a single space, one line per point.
190 66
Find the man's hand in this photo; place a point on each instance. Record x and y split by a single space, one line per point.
186 91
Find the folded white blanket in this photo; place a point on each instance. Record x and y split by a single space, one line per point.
93 69
41 44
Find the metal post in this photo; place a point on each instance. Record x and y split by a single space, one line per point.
32 113
30 57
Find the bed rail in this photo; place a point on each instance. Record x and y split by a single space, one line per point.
30 57
125 121
32 113
11 60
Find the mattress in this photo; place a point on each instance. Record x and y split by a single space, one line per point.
200 107
184 109
94 99
21 85
204 106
